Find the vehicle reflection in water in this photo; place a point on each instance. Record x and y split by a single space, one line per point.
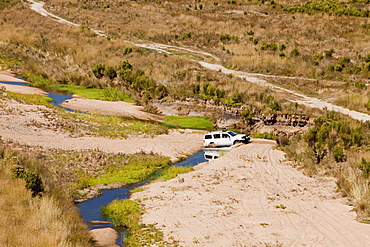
214 153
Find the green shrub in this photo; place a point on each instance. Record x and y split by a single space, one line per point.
329 53
318 56
271 46
367 66
338 154
294 53
127 50
344 59
330 68
329 7
98 70
225 37
367 58
282 47
110 72
339 67
31 177
365 167
187 35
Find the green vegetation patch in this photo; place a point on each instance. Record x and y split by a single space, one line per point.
264 135
134 169
126 213
173 171
332 7
182 122
111 126
34 99
108 94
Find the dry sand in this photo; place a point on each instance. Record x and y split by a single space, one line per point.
112 108
251 196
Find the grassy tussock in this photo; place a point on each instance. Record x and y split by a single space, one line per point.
107 94
173 171
134 169
202 123
33 99
126 213
36 221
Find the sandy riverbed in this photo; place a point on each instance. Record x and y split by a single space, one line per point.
252 196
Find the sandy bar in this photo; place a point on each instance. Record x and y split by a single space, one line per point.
251 196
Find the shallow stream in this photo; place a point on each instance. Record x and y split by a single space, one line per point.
57 96
91 209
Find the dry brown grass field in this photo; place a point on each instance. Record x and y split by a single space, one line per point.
326 55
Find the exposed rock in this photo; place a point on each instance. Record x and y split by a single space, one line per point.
105 237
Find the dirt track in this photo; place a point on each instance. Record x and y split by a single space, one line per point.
251 197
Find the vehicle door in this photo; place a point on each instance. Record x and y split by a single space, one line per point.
225 140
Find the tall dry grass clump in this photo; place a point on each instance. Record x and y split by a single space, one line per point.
48 219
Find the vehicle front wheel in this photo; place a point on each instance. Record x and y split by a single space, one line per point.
237 142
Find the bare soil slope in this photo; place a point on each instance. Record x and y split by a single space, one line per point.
252 197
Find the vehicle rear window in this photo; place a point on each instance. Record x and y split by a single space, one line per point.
207 137
216 136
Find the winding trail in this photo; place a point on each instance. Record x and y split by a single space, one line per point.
250 77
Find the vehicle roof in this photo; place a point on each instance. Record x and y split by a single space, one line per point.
218 131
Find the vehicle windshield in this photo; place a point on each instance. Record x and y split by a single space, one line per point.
231 133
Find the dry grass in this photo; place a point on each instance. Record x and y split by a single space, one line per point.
36 221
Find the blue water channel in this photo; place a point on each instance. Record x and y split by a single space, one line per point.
57 96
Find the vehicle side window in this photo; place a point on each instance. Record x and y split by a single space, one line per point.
225 136
207 137
216 136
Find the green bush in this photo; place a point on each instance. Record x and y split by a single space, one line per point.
110 72
271 46
127 50
294 53
338 154
365 167
98 70
32 179
329 53
329 7
367 58
282 47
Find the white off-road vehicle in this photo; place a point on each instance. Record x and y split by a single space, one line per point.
224 139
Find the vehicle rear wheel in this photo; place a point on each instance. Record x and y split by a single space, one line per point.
212 145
